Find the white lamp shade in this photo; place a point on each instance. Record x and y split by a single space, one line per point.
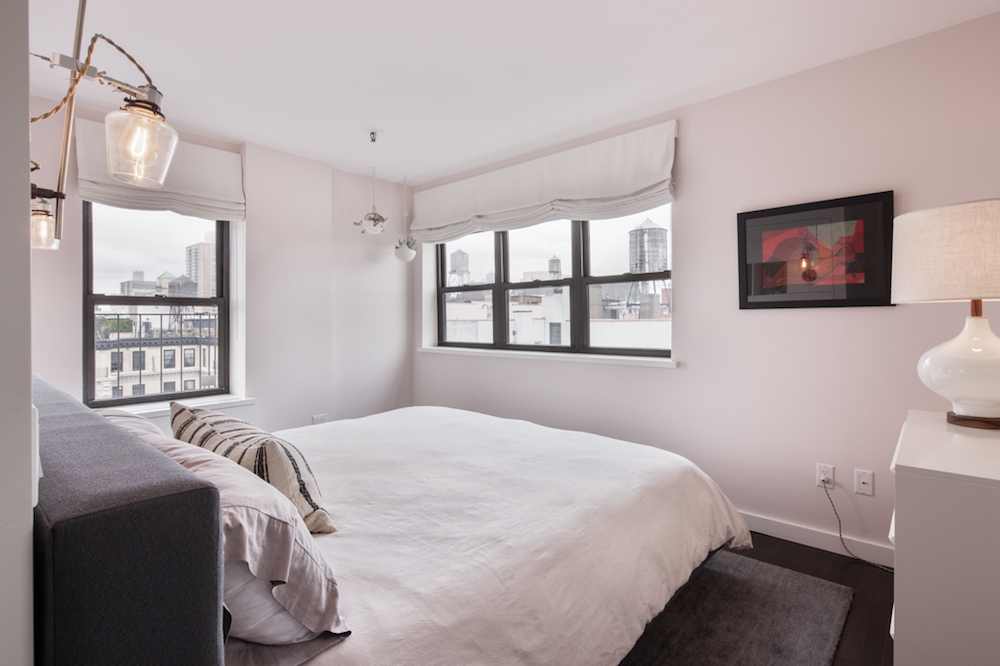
140 147
947 254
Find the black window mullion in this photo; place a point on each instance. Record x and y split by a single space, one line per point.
501 268
89 317
441 293
578 314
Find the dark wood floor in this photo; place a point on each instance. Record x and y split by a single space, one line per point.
866 640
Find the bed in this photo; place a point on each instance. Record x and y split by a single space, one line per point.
469 539
461 539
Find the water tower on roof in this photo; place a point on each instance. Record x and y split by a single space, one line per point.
459 268
647 248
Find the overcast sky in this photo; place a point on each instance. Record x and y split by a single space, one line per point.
149 241
532 248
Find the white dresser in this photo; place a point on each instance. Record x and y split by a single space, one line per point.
947 535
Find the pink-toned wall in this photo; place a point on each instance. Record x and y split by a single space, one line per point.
760 397
326 306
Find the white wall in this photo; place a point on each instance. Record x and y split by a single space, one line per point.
326 307
15 368
760 397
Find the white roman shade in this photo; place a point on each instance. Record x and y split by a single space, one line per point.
619 176
202 182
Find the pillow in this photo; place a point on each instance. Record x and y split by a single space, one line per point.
257 615
263 529
272 459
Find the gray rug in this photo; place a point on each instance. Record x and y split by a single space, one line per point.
736 611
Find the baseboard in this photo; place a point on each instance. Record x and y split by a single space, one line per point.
828 541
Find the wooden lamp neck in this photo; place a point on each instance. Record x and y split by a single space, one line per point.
977 307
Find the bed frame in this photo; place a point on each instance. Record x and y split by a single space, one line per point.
128 547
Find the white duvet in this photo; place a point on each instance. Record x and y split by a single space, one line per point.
468 539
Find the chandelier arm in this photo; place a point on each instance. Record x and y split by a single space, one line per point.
78 76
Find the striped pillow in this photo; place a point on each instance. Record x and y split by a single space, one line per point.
272 459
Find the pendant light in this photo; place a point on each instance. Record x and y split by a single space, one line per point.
43 226
140 144
372 223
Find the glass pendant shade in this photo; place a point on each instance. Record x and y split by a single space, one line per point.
140 146
43 226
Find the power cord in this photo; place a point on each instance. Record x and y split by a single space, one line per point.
840 530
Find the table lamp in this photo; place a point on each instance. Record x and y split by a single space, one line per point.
953 254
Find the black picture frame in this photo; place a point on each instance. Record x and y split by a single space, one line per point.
833 253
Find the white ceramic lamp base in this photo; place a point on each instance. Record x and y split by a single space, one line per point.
966 371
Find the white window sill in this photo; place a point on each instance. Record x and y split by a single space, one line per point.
599 359
152 410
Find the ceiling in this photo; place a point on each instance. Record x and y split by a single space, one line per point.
453 86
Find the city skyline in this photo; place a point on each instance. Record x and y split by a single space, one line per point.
532 248
122 247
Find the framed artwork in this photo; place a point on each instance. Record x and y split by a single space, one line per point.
821 254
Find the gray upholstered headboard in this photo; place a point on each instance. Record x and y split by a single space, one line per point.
128 547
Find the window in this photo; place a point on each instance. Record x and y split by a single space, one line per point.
156 282
599 287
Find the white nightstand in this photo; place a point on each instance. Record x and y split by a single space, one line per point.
947 535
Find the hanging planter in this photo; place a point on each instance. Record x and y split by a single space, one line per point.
405 249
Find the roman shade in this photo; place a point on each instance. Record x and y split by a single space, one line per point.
202 182
619 176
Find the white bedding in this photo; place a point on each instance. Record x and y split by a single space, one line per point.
468 539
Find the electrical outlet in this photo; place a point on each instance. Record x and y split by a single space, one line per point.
319 418
824 470
864 482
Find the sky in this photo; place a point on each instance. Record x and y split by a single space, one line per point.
135 240
532 248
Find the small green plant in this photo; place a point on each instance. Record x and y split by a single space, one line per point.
408 242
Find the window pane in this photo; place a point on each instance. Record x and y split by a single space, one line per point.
638 243
541 252
469 260
152 253
630 314
539 316
147 339
468 316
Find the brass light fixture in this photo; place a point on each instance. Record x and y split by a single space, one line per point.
140 144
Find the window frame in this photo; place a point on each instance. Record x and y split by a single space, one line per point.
221 302
578 283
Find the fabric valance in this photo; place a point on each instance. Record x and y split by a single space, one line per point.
202 182
619 176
